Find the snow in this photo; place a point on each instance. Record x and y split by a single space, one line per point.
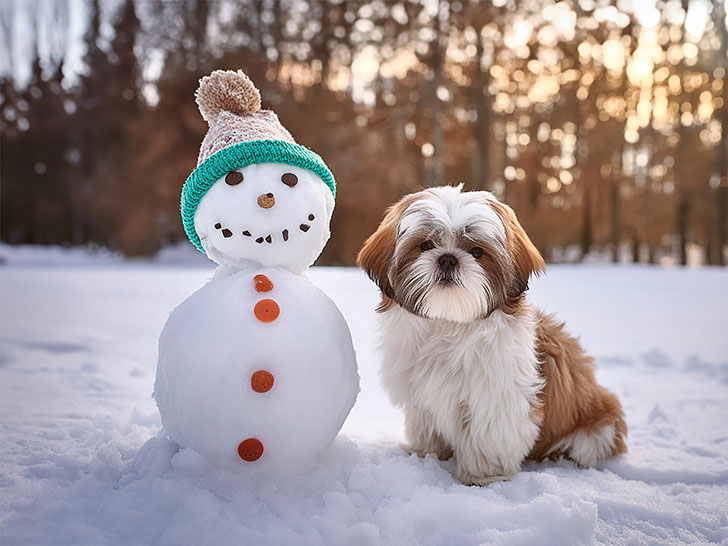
212 346
81 462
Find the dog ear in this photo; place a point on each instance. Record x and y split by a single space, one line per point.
375 257
524 255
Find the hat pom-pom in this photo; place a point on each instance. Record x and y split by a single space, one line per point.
226 90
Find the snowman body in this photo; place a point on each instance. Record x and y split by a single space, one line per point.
257 370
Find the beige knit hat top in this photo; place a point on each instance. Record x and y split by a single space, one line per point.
230 103
240 134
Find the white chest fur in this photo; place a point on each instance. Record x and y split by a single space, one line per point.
469 388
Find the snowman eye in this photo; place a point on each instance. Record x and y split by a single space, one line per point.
233 178
289 179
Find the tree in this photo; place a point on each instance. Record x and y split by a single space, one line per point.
718 249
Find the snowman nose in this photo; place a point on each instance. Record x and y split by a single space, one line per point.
266 200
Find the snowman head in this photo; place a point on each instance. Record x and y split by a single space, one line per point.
256 197
272 214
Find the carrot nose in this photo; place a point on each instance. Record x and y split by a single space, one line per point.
266 200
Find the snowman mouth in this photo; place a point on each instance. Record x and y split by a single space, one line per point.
284 234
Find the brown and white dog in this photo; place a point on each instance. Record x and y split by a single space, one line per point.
480 373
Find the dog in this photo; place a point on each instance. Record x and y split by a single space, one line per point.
481 374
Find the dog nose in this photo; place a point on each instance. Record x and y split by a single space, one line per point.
447 262
266 200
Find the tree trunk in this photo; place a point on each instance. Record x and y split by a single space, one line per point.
438 137
582 153
721 198
614 197
683 213
481 98
587 237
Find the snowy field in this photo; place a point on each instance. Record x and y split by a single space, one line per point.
81 462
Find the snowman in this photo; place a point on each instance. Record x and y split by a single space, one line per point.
256 369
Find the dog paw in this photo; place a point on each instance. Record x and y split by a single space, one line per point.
410 449
442 454
482 481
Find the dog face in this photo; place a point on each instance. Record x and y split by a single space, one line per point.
447 254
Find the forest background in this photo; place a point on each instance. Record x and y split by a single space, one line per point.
603 123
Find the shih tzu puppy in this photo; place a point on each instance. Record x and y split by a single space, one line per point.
480 373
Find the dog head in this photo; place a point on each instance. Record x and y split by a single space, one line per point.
447 254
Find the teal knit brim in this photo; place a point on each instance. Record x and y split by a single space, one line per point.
236 157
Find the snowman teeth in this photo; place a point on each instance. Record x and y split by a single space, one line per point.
268 238
225 231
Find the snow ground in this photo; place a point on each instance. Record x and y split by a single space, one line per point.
81 462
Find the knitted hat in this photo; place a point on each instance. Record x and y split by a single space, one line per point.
240 134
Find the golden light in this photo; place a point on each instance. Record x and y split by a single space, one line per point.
613 55
553 185
534 66
690 51
675 54
661 74
705 112
544 88
639 67
584 50
673 83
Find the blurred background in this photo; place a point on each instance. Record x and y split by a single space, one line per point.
603 123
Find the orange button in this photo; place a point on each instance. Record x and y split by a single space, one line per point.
250 450
262 381
262 283
267 310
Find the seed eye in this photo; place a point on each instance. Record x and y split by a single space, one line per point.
477 252
426 245
289 179
233 178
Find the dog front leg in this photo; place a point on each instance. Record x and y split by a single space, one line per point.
477 464
422 437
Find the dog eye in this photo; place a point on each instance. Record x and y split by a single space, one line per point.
426 245
476 251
